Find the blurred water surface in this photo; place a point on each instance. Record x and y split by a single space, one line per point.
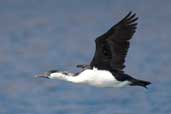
39 35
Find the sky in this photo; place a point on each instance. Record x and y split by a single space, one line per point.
40 35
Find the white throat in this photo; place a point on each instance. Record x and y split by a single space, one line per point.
94 77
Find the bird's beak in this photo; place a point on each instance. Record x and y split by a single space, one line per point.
44 75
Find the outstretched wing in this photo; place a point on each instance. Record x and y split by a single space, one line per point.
112 47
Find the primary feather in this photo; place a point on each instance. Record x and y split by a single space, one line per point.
112 46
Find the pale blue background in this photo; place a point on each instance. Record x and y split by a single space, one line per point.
39 35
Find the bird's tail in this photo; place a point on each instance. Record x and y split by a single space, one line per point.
142 83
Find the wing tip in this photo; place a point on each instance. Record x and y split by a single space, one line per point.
130 17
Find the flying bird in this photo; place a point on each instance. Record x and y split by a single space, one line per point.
106 67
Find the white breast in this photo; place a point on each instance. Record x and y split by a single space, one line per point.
94 77
101 78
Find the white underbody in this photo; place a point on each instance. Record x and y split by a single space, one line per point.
94 77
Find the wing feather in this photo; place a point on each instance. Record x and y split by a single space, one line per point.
112 46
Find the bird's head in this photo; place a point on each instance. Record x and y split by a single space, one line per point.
46 74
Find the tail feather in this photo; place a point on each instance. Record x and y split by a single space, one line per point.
142 83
